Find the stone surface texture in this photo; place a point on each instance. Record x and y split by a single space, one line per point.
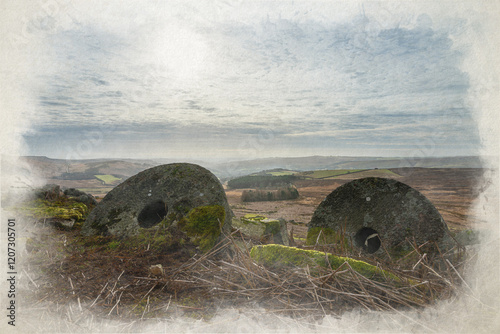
371 208
80 196
145 199
266 230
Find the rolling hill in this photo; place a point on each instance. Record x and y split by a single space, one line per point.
106 173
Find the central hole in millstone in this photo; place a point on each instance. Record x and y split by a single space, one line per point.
152 214
368 239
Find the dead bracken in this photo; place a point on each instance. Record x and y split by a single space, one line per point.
116 279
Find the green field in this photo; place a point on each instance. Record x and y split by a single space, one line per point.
96 190
107 179
286 172
323 174
377 173
358 173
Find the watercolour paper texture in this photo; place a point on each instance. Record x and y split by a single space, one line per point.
221 82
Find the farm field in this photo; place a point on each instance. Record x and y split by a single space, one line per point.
108 179
325 174
369 173
281 173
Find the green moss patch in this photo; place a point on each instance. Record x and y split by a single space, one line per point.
272 227
67 209
157 240
203 225
252 218
199 228
278 255
257 226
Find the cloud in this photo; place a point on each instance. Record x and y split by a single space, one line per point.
355 74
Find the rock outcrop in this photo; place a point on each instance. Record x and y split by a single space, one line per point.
53 192
80 196
266 230
49 192
166 193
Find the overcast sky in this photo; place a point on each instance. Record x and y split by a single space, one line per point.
242 80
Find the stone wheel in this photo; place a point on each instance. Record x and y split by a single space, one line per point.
375 212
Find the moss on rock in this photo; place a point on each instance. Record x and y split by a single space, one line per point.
67 209
266 229
272 228
203 225
251 218
279 255
378 212
200 228
145 199
158 239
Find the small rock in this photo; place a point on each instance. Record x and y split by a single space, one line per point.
268 230
80 196
157 270
49 192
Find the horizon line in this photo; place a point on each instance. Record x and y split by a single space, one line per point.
262 158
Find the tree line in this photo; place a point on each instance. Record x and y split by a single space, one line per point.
260 181
261 195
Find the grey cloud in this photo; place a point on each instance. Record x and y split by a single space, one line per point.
309 82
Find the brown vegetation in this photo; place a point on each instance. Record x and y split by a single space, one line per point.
117 282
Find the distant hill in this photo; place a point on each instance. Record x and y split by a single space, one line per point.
58 169
238 168
97 170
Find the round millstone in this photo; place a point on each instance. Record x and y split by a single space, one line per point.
374 213
145 199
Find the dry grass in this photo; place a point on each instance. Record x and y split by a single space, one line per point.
118 284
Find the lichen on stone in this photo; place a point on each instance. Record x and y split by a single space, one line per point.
251 218
203 225
266 229
272 227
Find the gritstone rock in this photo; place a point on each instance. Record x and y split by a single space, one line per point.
267 230
53 192
49 192
373 212
145 199
80 196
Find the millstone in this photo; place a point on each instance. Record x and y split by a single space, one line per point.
375 212
145 199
